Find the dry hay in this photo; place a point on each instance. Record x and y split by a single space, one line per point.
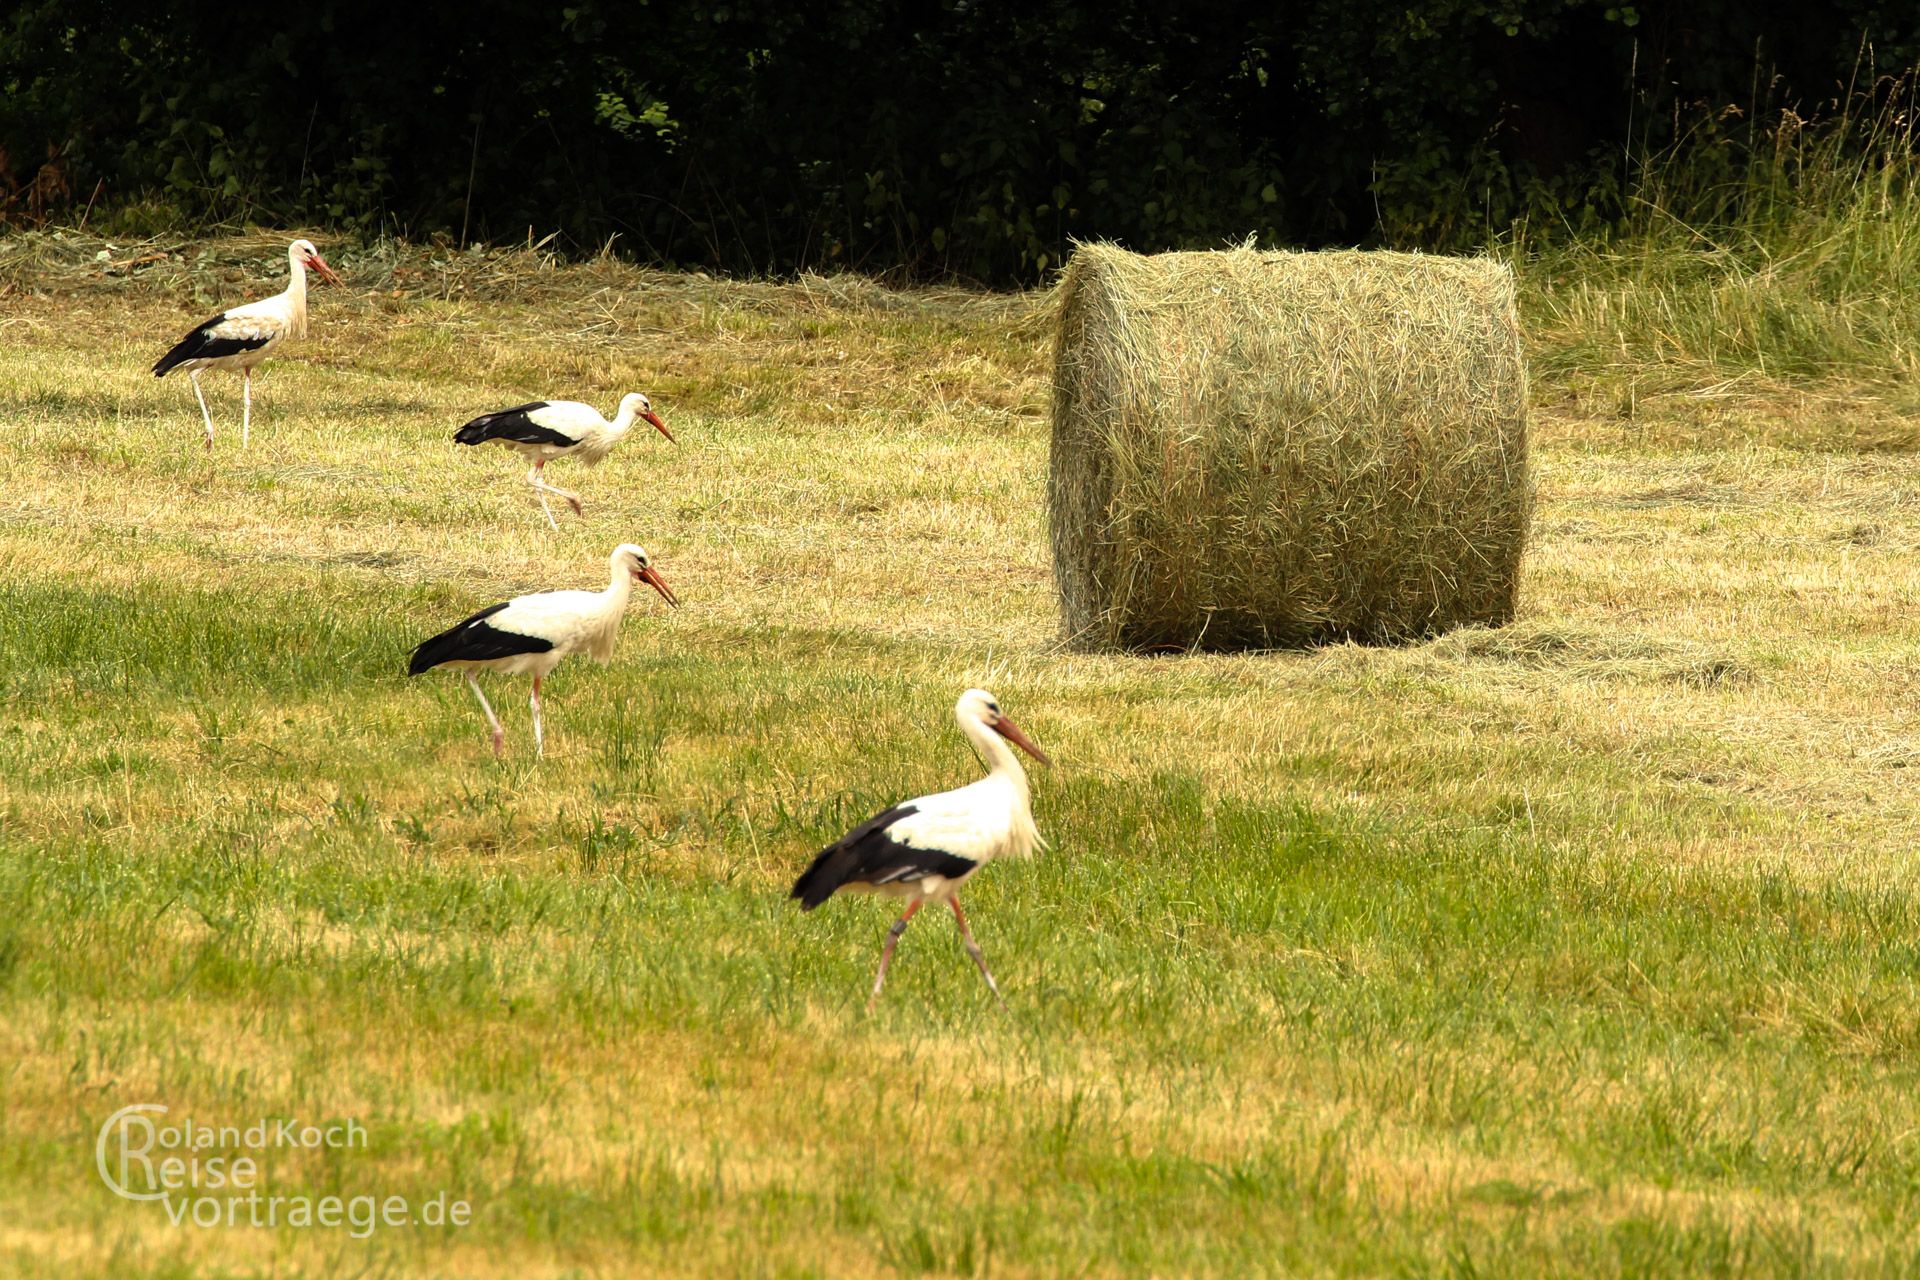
1258 449
222 269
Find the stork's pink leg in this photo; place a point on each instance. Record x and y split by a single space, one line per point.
886 951
246 403
499 734
537 478
533 478
973 949
539 740
573 499
201 397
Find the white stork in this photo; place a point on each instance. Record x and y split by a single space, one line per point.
542 430
533 633
242 337
924 850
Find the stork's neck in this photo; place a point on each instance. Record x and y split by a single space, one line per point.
623 418
619 587
296 293
994 749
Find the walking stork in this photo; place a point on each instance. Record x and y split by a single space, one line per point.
241 337
542 430
531 634
923 850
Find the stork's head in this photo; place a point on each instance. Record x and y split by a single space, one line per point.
978 704
638 405
634 560
303 253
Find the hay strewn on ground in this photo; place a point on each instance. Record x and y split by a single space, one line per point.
1578 947
226 269
1261 449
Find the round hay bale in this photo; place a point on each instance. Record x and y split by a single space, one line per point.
1259 449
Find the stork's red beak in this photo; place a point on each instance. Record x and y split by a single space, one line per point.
1011 732
319 264
654 580
658 425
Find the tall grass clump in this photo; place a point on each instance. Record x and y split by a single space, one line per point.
1774 245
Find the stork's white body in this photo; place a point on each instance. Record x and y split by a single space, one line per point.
984 820
588 436
924 849
241 337
571 621
533 634
542 430
270 321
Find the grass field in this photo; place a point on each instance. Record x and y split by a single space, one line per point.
1590 946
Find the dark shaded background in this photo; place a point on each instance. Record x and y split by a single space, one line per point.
966 137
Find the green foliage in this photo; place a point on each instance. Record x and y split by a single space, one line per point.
973 137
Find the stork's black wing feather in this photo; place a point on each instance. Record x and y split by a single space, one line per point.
201 344
515 425
868 855
473 641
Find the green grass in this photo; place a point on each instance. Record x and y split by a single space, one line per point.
1755 252
1585 947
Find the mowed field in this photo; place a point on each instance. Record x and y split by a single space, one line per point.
1588 946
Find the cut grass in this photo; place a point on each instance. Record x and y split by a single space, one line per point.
1580 947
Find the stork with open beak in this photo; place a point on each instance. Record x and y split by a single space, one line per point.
923 850
241 337
531 634
542 430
